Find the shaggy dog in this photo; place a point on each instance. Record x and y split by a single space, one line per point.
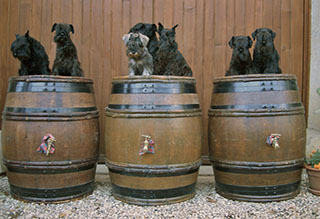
140 61
31 54
265 55
241 62
168 59
66 62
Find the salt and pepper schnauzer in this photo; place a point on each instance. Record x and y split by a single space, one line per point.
265 55
241 62
32 55
140 61
148 30
66 62
168 60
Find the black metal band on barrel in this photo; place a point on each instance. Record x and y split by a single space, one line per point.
154 173
246 167
48 110
257 106
154 170
153 194
58 87
156 88
47 170
258 190
254 86
49 194
259 170
153 107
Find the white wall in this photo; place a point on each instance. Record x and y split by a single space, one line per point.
314 98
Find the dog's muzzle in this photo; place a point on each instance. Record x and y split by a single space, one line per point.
133 54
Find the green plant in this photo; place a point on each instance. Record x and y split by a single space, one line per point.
314 159
318 91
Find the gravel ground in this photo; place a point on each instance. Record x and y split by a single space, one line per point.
206 204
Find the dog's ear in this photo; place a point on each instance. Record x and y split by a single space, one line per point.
27 34
249 41
273 34
144 39
231 42
125 39
160 28
54 27
254 34
174 27
154 27
71 28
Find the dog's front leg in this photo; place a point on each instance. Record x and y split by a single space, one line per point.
147 71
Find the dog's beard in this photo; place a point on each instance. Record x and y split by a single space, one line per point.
243 57
134 55
60 38
21 55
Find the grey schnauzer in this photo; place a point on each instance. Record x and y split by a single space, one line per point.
140 61
168 60
241 62
265 55
32 55
66 62
148 30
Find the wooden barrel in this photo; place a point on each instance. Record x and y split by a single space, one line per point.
162 115
245 111
63 108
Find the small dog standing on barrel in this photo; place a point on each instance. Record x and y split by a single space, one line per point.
265 55
66 62
140 61
241 62
32 55
168 59
148 30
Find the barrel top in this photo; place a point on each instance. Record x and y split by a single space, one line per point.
50 78
153 78
255 77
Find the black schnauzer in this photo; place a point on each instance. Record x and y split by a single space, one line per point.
241 62
168 60
66 62
148 30
139 59
265 55
32 55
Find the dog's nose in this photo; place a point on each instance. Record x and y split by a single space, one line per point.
264 42
240 49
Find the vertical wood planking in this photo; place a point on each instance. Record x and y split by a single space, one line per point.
168 14
230 29
188 39
208 64
205 27
5 53
178 19
86 37
285 56
147 16
46 37
296 39
13 64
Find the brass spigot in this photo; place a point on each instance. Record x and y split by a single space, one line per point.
146 143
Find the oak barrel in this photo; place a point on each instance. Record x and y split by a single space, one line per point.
245 111
165 108
61 107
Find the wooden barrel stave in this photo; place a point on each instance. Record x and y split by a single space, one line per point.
244 111
167 109
64 107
